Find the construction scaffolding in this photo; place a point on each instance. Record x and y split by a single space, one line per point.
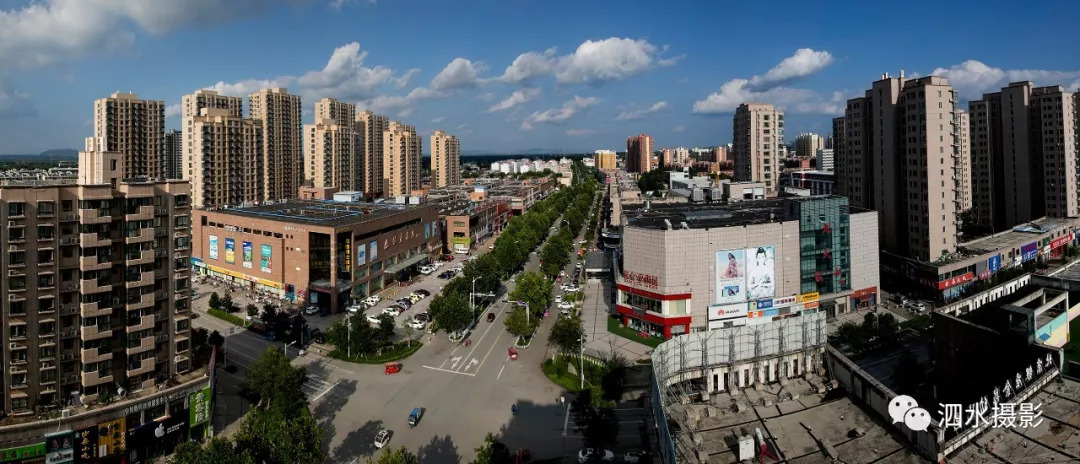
680 364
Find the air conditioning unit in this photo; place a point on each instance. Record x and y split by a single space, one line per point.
176 358
11 223
115 301
12 346
12 272
65 413
13 248
71 217
13 369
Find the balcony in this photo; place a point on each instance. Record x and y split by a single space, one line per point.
141 323
94 240
94 216
94 263
93 310
94 355
144 235
141 279
96 378
145 300
143 257
142 213
142 367
144 344
94 332
88 286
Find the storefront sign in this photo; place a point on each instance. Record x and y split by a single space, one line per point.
1061 241
732 311
165 399
771 313
86 442
958 280
20 453
361 254
864 293
644 280
807 297
199 407
810 304
112 437
1029 252
60 447
764 304
994 263
348 253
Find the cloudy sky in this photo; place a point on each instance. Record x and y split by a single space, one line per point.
509 75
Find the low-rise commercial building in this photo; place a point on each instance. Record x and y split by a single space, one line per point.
323 253
467 224
697 268
807 183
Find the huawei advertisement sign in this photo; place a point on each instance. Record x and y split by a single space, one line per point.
732 311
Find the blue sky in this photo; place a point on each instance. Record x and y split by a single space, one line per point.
514 75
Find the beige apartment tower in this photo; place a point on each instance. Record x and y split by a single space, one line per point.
445 159
96 289
401 160
898 154
371 128
223 158
330 155
135 128
807 145
604 159
963 159
1023 149
192 105
758 134
639 154
279 114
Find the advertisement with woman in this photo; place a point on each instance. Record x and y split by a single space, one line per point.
760 273
730 276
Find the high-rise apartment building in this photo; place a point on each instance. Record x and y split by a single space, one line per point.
758 135
825 159
1023 155
445 159
667 157
223 158
639 154
279 114
330 154
135 128
963 159
899 157
191 105
174 162
721 153
604 159
96 288
808 144
371 128
401 159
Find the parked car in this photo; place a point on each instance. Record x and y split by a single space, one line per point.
558 299
448 257
633 457
372 319
427 270
418 325
422 317
311 310
404 303
590 454
456 269
571 288
423 293
372 300
393 311
357 308
414 298
382 438
566 305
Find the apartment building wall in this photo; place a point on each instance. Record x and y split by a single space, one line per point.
639 154
224 159
135 128
445 159
1054 137
347 143
191 105
963 166
401 159
174 149
279 114
371 127
807 145
330 159
95 289
604 160
758 134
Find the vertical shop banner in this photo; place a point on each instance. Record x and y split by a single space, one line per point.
1030 251
361 254
60 447
994 263
348 253
199 407
760 272
265 264
112 437
246 253
730 276
213 247
230 251
427 231
374 249
86 444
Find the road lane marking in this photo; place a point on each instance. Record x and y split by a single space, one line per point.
472 362
331 387
448 370
489 350
500 372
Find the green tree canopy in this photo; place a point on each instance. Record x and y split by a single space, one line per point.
566 333
534 289
517 323
493 452
395 456
451 311
275 438
278 383
217 451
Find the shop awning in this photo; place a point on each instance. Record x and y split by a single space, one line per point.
404 263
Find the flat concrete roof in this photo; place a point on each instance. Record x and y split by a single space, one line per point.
1014 237
325 213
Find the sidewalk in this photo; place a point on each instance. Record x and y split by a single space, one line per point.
595 313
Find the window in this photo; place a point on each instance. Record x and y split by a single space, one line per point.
17 209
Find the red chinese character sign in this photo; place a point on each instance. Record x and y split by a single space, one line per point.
644 280
818 277
826 229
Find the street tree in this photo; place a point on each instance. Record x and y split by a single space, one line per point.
599 426
277 383
272 437
215 301
217 451
488 270
252 310
215 339
362 337
451 311
395 456
384 333
410 334
517 323
227 304
887 327
534 289
493 451
566 334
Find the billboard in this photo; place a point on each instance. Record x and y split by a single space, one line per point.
361 254
86 444
994 263
730 276
731 311
373 248
112 437
60 447
264 263
230 251
199 407
760 272
213 247
348 254
1030 251
246 253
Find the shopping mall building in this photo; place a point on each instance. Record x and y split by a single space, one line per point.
693 268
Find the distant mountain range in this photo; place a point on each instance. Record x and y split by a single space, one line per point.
60 154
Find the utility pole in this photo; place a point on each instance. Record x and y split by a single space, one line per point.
348 332
581 360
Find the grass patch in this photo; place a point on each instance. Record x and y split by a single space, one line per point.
396 352
227 317
614 325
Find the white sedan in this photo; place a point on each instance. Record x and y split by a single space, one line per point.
589 454
416 324
566 305
372 319
393 311
571 288
382 438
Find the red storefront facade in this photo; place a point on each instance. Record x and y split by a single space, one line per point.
653 322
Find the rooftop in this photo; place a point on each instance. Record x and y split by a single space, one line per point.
705 216
1019 235
323 213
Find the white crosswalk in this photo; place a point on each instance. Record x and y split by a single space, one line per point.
317 386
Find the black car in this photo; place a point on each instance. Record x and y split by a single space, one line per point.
446 275
404 302
423 293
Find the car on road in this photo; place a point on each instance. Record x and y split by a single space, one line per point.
592 454
427 270
393 311
415 415
372 319
448 257
456 269
383 437
311 310
491 317
418 325
633 457
571 288
357 308
558 299
915 306
446 275
566 305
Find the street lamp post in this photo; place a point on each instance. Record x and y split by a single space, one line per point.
581 360
348 333
285 349
526 305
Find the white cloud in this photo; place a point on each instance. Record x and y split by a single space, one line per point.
679 129
461 73
771 88
45 32
518 97
558 115
462 126
486 96
248 86
593 62
638 114
337 5
172 111
438 120
974 78
15 104
458 75
345 76
580 132
403 81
